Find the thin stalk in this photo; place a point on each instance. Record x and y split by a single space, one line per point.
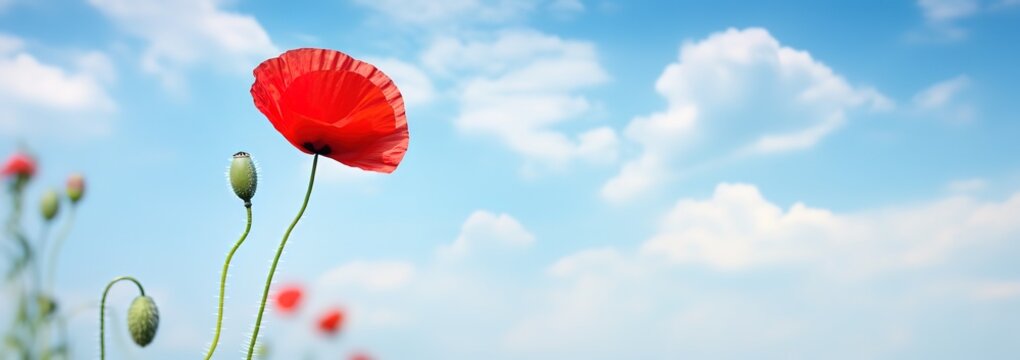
102 311
51 273
276 259
223 283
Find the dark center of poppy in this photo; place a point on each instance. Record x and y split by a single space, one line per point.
324 150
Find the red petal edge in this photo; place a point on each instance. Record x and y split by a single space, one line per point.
274 76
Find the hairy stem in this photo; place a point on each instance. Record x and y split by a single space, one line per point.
223 283
58 243
276 259
102 311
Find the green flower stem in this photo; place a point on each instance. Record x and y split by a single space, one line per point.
35 259
13 231
223 283
276 259
51 273
102 311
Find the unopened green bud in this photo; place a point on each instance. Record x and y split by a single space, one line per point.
50 204
47 305
243 177
75 187
143 320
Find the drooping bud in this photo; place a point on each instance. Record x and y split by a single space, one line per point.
75 187
143 320
50 204
243 177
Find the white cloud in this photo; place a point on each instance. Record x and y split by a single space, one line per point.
183 34
944 10
945 100
965 186
997 290
940 94
450 12
369 275
567 5
10 43
424 11
790 274
737 93
44 98
738 229
484 229
942 16
733 275
519 86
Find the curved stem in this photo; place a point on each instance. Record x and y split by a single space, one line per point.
51 273
102 311
276 259
223 283
35 259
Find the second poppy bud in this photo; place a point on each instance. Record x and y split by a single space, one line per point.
243 177
49 204
143 320
75 187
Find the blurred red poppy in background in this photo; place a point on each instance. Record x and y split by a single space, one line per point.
331 321
288 298
360 356
19 164
328 103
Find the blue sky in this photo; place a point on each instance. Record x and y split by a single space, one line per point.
585 179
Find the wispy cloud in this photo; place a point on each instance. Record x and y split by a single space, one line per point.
718 271
946 100
518 86
747 94
182 34
942 17
42 98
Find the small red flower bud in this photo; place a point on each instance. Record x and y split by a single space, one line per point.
331 321
75 187
288 298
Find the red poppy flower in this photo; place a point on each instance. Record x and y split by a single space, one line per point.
331 321
326 102
19 164
360 356
288 298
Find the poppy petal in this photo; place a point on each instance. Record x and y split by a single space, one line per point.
326 102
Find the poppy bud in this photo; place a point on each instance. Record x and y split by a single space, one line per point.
47 305
21 166
243 177
49 204
288 298
143 320
331 321
75 187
